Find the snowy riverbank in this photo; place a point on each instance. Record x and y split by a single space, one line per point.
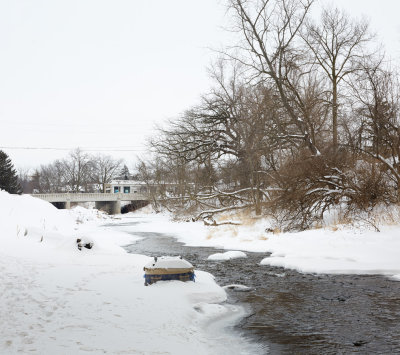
57 299
344 249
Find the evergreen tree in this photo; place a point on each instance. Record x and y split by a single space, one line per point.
125 173
8 175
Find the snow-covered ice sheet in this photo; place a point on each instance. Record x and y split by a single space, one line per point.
56 299
343 249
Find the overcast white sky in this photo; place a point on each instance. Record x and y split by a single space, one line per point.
100 74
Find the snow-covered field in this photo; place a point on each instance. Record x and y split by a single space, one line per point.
56 299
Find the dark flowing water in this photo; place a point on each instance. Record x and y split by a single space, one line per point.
294 313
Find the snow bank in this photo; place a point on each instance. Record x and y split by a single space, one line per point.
227 255
85 215
56 299
23 211
30 224
35 229
343 249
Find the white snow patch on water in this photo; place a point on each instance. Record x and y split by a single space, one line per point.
228 255
237 287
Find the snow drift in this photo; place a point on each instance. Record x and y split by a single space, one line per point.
57 299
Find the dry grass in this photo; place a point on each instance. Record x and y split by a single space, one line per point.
214 232
209 236
245 217
318 225
390 216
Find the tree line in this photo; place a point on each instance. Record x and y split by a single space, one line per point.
302 116
78 172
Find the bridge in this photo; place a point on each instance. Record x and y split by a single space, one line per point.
104 201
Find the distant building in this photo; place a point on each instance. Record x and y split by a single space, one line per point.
141 187
125 186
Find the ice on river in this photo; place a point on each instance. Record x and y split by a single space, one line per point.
56 299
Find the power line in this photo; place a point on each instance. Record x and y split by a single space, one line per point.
87 149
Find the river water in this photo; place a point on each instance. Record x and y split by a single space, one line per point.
295 313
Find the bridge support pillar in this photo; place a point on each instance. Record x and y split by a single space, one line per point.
68 205
103 206
111 207
116 207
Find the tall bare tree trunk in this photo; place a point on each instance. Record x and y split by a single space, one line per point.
334 116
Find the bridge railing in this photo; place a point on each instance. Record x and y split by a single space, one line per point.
91 197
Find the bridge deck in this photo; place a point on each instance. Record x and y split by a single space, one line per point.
91 197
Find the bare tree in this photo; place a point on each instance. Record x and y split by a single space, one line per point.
79 170
337 45
105 169
270 32
377 90
24 180
72 174
52 178
234 122
35 181
260 138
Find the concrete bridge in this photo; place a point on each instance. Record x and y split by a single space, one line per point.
104 201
